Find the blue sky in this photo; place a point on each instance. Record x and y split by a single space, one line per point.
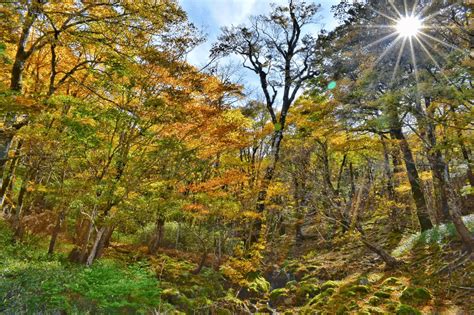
211 15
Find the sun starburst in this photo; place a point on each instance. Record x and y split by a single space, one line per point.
410 30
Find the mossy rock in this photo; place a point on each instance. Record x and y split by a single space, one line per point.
392 281
321 297
223 311
349 293
329 284
291 284
407 310
375 311
374 301
391 306
342 310
415 296
382 294
363 289
306 291
278 296
353 306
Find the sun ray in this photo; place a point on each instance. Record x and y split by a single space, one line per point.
443 43
395 8
380 40
413 60
429 17
384 15
433 48
427 52
406 7
413 9
374 26
399 57
387 50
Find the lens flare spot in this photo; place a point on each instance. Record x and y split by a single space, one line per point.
332 85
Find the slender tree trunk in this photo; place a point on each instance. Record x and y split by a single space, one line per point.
467 238
157 236
202 261
387 170
55 233
95 247
9 176
414 179
104 241
435 159
269 172
466 156
5 143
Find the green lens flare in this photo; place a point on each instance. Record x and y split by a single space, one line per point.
332 85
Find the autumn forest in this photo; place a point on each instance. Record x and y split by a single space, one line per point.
299 170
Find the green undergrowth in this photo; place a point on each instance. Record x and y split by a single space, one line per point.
31 281
437 235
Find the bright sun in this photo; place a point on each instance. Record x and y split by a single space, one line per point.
408 26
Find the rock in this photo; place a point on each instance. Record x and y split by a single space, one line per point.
329 284
382 294
407 310
415 296
392 281
278 296
375 310
360 289
374 301
306 291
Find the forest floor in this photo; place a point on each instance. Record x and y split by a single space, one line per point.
342 277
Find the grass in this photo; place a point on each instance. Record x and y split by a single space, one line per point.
436 235
31 281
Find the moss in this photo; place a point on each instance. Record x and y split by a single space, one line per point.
291 284
350 293
329 284
321 297
278 296
353 306
342 310
382 294
375 310
375 301
391 306
392 281
407 310
360 289
305 291
415 296
278 293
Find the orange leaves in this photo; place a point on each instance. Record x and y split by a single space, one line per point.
231 177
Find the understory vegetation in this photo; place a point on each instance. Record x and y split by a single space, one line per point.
132 182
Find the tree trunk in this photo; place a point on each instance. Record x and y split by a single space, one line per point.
387 169
9 176
389 260
414 179
202 261
467 238
470 164
95 247
269 172
157 236
55 233
435 159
